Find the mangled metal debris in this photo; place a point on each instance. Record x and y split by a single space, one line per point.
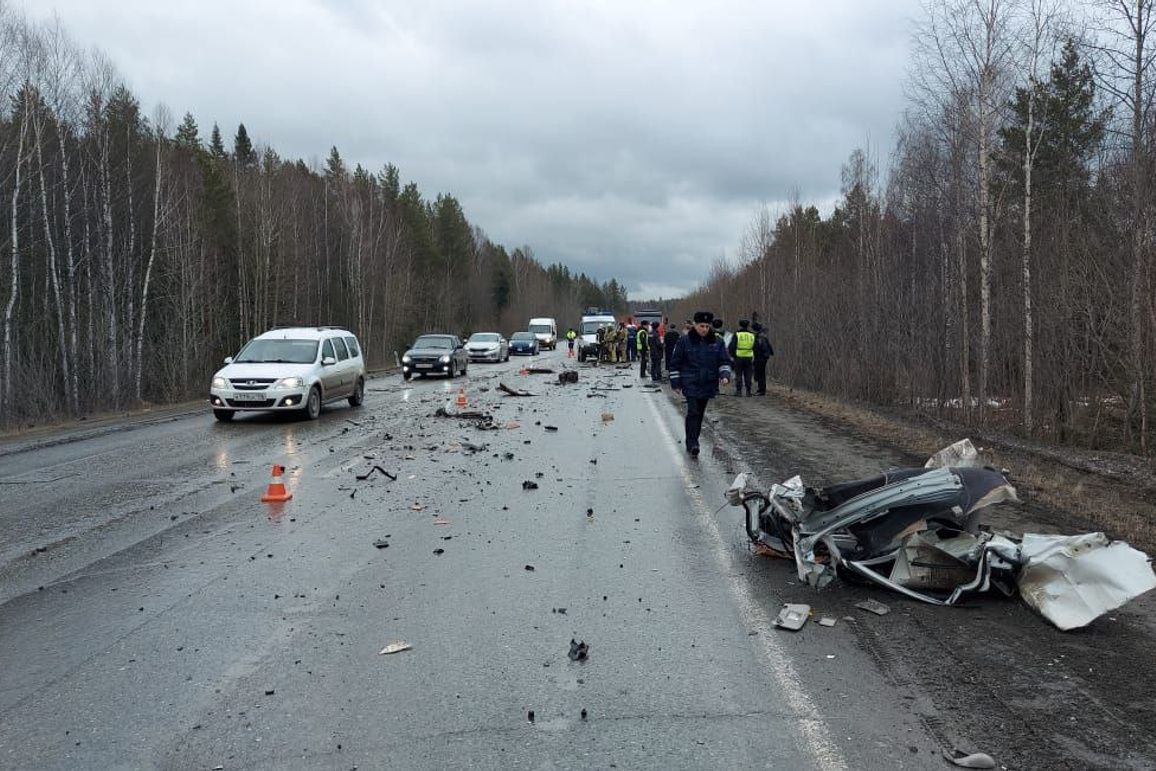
513 391
916 531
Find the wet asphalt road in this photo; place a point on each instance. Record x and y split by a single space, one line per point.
156 615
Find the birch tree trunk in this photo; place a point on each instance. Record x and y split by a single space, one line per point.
14 282
144 295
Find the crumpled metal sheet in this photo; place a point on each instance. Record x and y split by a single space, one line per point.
1073 580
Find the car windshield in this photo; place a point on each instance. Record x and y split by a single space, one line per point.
541 329
279 352
434 341
523 336
485 337
592 327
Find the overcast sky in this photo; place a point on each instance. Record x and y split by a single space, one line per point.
622 138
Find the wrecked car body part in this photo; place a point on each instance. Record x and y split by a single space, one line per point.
916 532
1073 580
793 616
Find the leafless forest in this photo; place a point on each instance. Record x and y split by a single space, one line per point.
135 252
1002 271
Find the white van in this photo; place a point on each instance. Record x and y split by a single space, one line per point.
592 321
546 331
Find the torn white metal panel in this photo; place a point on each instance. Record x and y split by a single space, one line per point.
1073 580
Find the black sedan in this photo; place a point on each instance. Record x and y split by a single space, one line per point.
524 344
435 355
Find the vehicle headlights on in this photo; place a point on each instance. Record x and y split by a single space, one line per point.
405 358
219 382
445 360
289 382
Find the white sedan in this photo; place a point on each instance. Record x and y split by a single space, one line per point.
488 346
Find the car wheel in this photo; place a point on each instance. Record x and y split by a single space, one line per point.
224 415
313 404
358 395
406 375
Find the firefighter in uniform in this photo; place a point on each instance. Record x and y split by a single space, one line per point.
621 341
742 351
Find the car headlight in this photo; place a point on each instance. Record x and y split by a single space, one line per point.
405 358
220 382
289 382
445 360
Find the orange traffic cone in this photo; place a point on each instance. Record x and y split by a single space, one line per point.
276 492
461 401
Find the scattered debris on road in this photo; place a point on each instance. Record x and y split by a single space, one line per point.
568 376
381 543
969 760
530 568
383 472
513 391
916 531
578 650
607 417
550 428
540 370
793 616
441 521
528 485
827 621
873 606
395 647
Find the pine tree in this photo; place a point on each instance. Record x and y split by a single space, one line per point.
243 153
216 145
188 135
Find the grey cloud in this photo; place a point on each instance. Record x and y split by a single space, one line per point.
626 139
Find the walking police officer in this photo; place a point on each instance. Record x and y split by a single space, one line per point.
698 367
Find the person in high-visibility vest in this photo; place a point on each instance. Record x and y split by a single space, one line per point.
742 351
642 343
571 336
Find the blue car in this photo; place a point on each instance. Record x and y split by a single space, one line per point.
524 344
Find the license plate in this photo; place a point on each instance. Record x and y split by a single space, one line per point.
422 366
248 397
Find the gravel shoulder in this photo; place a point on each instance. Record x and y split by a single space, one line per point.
992 676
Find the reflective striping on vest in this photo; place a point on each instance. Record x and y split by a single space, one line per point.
640 339
744 345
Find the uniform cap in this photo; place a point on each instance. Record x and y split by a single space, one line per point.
703 317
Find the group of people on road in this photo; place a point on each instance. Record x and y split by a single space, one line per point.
654 344
699 361
702 363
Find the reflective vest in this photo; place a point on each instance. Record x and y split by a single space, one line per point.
571 335
640 340
744 345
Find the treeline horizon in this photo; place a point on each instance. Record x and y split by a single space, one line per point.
1002 272
135 253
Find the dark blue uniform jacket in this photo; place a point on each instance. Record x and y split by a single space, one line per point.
698 363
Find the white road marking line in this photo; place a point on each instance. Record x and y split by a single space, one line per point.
815 733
